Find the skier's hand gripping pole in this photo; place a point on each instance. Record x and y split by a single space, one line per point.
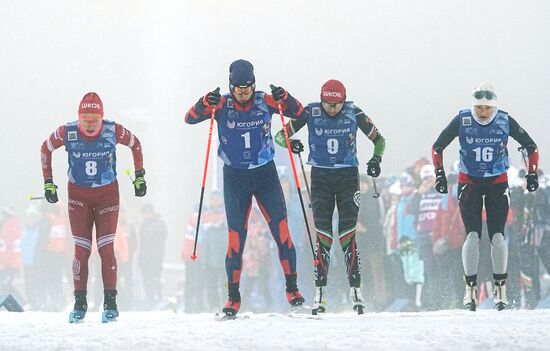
194 255
140 185
531 177
297 181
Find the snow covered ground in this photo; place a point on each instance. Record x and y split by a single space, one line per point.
443 330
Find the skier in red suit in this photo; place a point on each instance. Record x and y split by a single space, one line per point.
93 193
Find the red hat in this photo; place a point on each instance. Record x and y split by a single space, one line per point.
333 92
91 103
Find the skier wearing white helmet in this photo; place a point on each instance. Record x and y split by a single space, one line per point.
483 132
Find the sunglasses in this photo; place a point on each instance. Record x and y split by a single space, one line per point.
489 95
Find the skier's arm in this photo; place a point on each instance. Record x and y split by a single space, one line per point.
291 107
445 138
521 136
369 129
292 127
125 137
54 141
201 110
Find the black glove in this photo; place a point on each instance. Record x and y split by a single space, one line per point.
373 166
278 93
140 186
296 146
50 191
532 181
441 185
213 98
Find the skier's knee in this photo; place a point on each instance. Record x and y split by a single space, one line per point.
82 254
472 239
346 243
107 251
497 240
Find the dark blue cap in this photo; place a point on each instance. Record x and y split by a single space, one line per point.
241 73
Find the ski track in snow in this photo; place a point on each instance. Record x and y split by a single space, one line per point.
442 330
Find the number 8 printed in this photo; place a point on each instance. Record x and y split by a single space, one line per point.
91 168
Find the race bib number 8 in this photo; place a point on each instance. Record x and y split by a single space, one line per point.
91 168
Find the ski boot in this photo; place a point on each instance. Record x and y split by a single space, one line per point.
293 295
110 310
295 299
357 300
500 299
470 296
80 307
233 304
319 303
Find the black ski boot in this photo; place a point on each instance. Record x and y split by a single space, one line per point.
110 310
233 303
80 307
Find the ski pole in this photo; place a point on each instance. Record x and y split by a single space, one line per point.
305 177
376 194
32 197
128 171
194 255
297 181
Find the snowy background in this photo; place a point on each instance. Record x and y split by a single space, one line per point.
411 65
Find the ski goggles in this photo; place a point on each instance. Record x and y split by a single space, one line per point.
489 95
241 89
